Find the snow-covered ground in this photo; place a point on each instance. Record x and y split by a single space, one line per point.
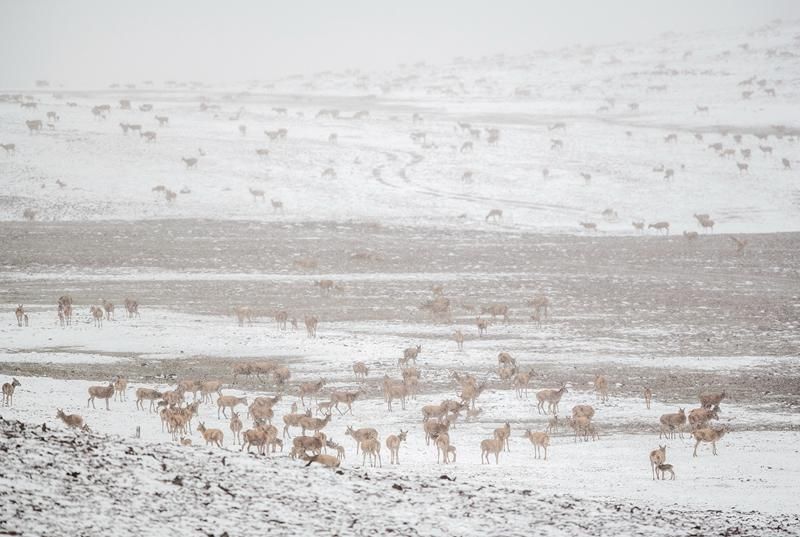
384 176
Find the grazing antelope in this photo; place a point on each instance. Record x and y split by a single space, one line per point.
162 120
601 385
34 125
587 177
211 436
648 396
12 148
710 400
556 144
709 435
657 457
149 136
660 226
664 468
588 226
699 417
257 193
785 161
190 162
8 391
496 309
73 421
20 315
100 392
466 147
393 444
262 152
360 370
740 244
281 375
551 397
277 205
311 325
325 286
670 422
586 411
539 441
489 446
120 388
743 167
671 138
495 215
690 235
359 435
340 453
638 226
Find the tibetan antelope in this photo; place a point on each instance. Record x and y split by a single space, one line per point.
257 193
100 392
482 325
97 315
710 400
311 325
648 396
8 392
393 444
660 226
458 336
551 397
277 205
190 162
664 468
671 422
211 436
73 421
539 440
120 388
360 370
657 457
601 386
20 315
709 435
359 435
491 446
495 215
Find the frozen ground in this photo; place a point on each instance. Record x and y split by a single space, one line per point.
384 176
683 317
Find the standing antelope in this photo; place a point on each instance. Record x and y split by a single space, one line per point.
359 435
442 442
20 314
257 193
551 397
710 400
483 325
492 445
648 396
458 336
657 457
664 468
120 388
360 370
311 325
539 441
190 162
97 315
236 426
670 422
211 436
277 205
504 434
371 447
601 385
100 392
8 392
393 444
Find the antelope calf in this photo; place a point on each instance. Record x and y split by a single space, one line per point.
8 391
657 458
708 436
100 392
664 468
539 441
211 436
340 453
393 444
73 421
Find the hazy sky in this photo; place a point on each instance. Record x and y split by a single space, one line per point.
95 42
